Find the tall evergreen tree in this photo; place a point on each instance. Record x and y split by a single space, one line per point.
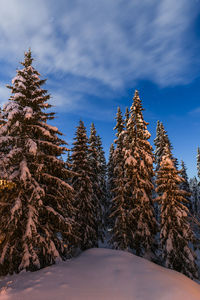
185 186
68 165
127 114
37 218
160 141
158 146
110 185
110 173
139 174
95 167
69 160
102 178
175 231
198 162
119 220
195 197
82 185
197 206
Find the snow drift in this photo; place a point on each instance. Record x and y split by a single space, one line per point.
100 274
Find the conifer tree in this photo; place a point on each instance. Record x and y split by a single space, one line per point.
37 218
126 116
139 174
68 165
195 196
110 168
95 167
119 220
157 143
110 186
160 141
185 185
82 185
175 231
102 178
69 160
198 162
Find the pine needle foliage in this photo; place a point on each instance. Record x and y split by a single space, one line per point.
82 184
175 232
139 174
185 185
37 218
119 220
96 188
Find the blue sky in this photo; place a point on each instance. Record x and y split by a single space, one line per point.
94 54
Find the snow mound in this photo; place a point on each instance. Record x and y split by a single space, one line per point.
100 274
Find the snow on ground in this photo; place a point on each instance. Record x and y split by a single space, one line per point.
100 274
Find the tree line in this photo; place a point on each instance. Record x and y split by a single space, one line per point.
52 209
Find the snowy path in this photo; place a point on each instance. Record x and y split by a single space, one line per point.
100 274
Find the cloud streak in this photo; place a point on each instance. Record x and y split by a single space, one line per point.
195 112
111 44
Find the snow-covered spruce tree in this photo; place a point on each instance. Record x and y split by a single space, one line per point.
185 185
68 165
85 216
158 146
37 218
110 185
198 162
119 217
195 196
160 141
102 178
93 157
175 231
69 160
127 113
139 174
110 173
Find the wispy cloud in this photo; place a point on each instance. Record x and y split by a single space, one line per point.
195 111
101 43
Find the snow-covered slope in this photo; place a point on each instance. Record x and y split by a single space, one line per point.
100 274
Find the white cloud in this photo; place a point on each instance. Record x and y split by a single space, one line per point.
195 111
64 101
113 43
